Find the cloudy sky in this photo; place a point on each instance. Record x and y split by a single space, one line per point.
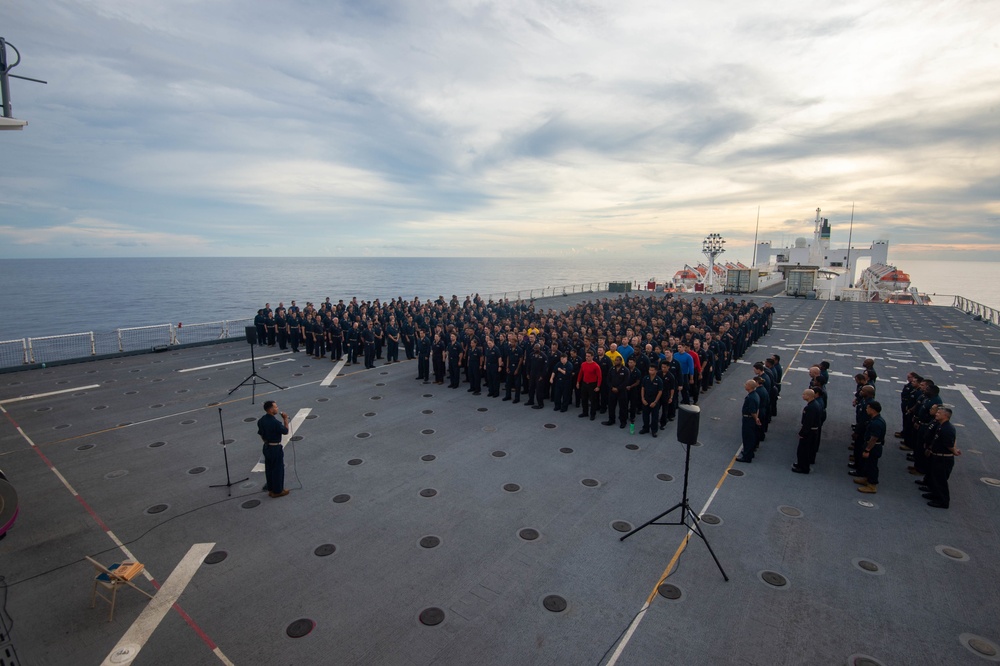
549 128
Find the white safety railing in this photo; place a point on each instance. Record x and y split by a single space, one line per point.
58 347
191 333
544 292
138 338
978 310
13 352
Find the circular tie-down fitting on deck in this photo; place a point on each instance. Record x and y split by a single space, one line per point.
197 470
249 419
863 660
300 628
353 462
668 591
250 504
156 508
384 372
375 397
380 384
511 487
621 526
980 646
188 422
293 438
427 411
429 457
341 498
118 473
550 426
322 400
430 541
85 447
428 395
498 454
370 414
565 449
156 406
99 407
732 471
363 435
483 409
136 393
789 511
43 409
591 483
632 447
952 553
428 492
216 556
312 416
529 534
61 426
664 477
427 431
431 617
774 579
710 519
554 603
325 549
868 504
156 445
991 482
204 379
489 428
868 566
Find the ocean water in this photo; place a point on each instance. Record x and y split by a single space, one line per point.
55 296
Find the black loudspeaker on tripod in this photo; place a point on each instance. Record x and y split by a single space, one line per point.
688 417
251 332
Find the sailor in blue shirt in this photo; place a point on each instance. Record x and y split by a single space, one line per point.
749 416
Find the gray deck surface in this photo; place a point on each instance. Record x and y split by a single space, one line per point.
366 597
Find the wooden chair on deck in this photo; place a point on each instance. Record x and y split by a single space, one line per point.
111 578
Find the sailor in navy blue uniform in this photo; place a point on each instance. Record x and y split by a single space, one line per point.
439 349
652 392
809 432
515 361
874 441
494 363
423 357
538 362
943 450
749 417
474 361
618 396
562 382
271 430
454 362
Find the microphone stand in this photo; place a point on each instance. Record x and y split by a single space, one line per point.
228 484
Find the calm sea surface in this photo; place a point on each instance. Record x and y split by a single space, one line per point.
55 296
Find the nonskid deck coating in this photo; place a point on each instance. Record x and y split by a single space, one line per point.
367 596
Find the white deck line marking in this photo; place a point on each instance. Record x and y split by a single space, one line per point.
219 365
293 425
937 357
333 373
978 407
149 619
284 360
846 335
642 612
46 395
895 341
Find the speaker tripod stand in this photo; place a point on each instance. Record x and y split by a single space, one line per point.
253 376
688 518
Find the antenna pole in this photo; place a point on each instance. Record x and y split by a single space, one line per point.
850 235
754 262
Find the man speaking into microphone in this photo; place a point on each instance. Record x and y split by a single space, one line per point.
271 430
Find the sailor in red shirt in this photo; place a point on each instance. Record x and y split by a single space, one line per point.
589 383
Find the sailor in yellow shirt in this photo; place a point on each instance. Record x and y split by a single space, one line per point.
612 354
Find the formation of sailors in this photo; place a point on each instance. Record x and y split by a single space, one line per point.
628 357
929 437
